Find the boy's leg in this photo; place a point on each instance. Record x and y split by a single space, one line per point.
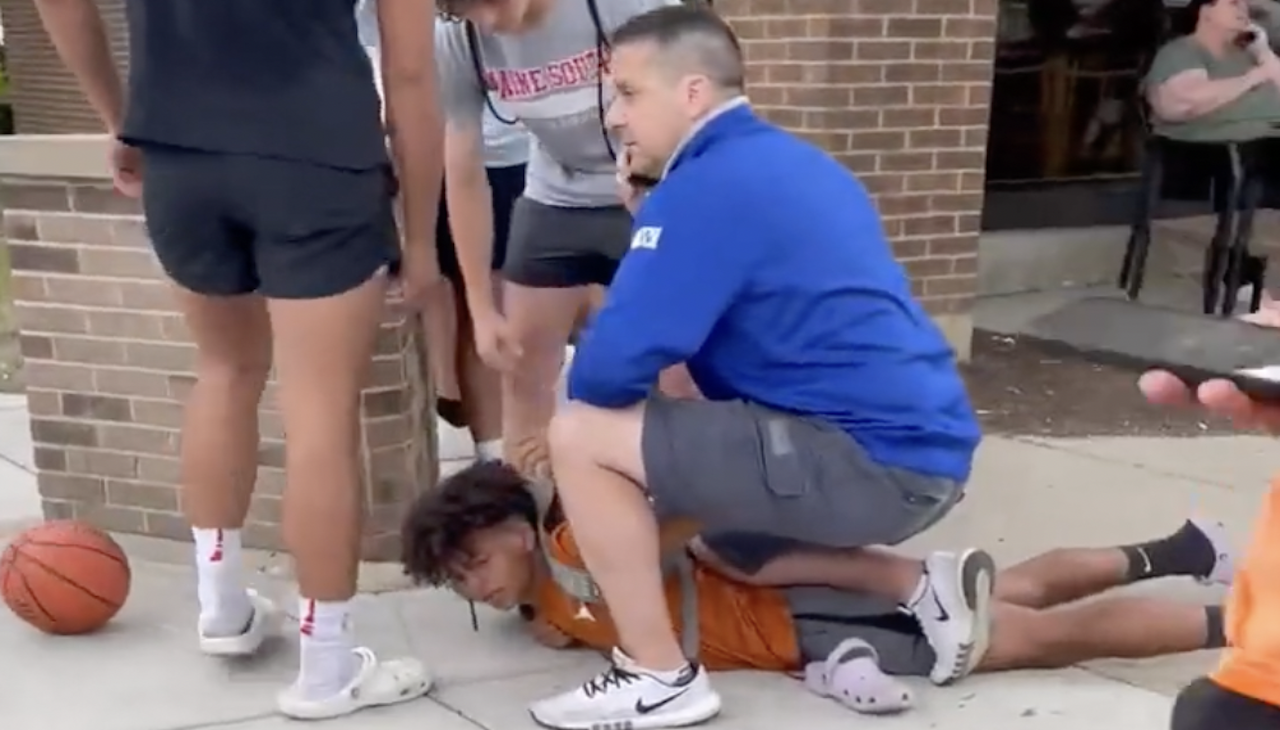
1021 638
324 240
208 257
554 256
1199 549
1119 627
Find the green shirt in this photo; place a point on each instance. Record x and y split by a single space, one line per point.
1254 115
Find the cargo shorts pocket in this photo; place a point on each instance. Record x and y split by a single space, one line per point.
786 465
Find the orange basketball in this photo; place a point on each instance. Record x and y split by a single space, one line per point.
64 577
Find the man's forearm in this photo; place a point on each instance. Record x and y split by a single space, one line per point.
77 32
417 138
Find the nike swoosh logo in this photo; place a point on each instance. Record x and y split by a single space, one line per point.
1146 560
942 611
644 709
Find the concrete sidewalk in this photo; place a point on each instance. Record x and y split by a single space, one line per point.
144 673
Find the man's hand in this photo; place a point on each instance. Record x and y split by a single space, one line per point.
630 194
126 169
496 342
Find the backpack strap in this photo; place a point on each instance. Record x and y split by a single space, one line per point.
579 584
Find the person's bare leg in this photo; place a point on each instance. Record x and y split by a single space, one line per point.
599 470
542 320
323 351
1116 627
480 387
1064 575
219 455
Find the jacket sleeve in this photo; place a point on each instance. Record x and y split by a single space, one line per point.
687 265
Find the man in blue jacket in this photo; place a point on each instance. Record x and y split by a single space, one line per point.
834 412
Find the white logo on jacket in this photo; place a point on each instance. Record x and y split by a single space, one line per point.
646 237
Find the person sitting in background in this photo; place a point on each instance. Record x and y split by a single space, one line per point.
482 534
1218 83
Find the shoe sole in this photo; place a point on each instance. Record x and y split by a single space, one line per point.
265 623
976 577
701 711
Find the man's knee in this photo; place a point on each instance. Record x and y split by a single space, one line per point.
582 431
570 429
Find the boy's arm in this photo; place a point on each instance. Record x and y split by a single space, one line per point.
690 258
77 32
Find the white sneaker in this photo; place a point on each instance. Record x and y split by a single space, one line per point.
626 695
265 621
377 683
1224 559
955 611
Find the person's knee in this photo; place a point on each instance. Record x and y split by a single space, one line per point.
235 377
570 430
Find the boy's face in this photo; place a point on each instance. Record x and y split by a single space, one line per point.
497 566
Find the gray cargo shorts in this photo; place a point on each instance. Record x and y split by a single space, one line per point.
739 467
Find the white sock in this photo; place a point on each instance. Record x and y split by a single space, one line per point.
326 648
490 450
225 609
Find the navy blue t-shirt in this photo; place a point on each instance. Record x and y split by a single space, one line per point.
278 78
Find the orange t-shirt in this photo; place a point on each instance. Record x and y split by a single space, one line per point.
741 626
1251 663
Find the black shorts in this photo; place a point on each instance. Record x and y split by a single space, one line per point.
553 247
1206 705
735 466
228 224
506 184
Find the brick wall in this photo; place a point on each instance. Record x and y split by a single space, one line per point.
108 363
899 91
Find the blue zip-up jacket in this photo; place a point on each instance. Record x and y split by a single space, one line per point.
761 263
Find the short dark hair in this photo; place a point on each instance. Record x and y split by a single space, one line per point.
485 494
695 34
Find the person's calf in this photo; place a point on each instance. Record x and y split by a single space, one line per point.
1121 628
219 457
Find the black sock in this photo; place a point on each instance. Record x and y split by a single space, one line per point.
1186 552
1215 631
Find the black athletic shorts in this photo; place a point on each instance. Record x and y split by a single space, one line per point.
227 224
506 185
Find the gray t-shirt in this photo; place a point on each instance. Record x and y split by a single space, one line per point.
505 145
548 78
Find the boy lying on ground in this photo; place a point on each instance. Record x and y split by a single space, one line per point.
479 534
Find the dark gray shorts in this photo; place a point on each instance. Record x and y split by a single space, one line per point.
225 224
735 466
824 617
550 247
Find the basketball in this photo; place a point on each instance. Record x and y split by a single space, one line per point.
64 577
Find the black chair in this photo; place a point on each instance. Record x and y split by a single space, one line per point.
1231 176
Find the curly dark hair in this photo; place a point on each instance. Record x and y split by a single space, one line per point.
484 495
